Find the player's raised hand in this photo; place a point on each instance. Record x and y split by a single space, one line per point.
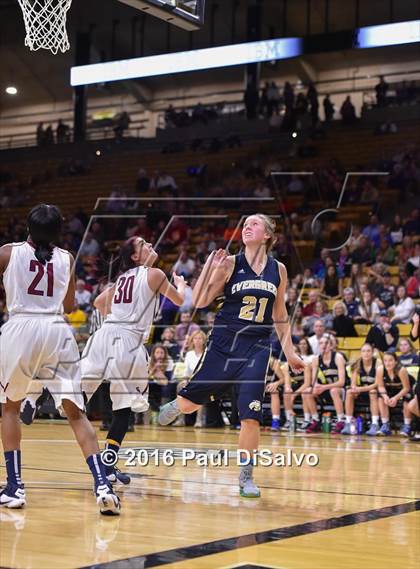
179 281
296 363
219 259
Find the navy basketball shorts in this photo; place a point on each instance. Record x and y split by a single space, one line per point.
232 360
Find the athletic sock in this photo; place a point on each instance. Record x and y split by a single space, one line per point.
289 415
114 446
375 419
315 417
340 416
13 466
407 421
349 418
97 469
276 417
307 417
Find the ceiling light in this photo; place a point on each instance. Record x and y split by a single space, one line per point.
11 90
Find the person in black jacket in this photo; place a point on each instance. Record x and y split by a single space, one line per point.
384 336
343 325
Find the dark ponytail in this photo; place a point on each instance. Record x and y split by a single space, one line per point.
44 226
123 262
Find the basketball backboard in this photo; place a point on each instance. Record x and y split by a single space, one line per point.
186 14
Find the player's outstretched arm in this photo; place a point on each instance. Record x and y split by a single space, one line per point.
157 281
216 271
282 325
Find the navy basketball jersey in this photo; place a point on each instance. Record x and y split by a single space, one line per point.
367 377
249 299
328 373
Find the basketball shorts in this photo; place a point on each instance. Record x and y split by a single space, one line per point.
39 349
392 391
117 355
364 397
232 361
326 398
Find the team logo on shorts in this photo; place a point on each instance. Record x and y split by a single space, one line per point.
255 405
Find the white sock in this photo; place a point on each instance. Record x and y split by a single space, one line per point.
385 421
349 418
276 417
340 416
307 417
407 421
289 415
315 416
375 419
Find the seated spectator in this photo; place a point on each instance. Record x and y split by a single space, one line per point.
188 304
177 232
90 247
184 329
262 191
383 291
404 307
406 250
384 335
413 284
332 285
370 193
184 266
161 387
143 181
320 313
364 254
343 325
386 253
309 308
83 296
292 301
396 230
195 349
169 342
351 304
408 355
413 262
165 183
296 323
319 331
412 225
368 309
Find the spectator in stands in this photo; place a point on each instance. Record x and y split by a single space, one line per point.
184 329
295 186
292 301
371 231
368 309
343 325
289 97
143 181
83 296
351 304
169 342
49 136
403 308
40 135
396 230
297 320
384 291
412 225
370 194
328 109
386 254
408 355
312 96
332 285
196 347
406 250
251 99
384 335
90 247
413 262
364 254
122 123
412 284
320 313
170 117
262 191
381 90
161 387
348 111
164 182
273 99
77 318
319 331
313 297
177 232
74 225
184 266
62 132
209 322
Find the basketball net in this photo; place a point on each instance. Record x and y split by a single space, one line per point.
45 24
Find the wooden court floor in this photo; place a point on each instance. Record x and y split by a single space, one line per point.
358 508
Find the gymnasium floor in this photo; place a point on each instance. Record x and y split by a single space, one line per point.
359 508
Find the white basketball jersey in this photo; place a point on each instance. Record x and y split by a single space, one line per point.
34 288
134 303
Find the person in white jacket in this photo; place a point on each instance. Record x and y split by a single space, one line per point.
196 347
403 308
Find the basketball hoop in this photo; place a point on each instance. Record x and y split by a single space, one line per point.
45 24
